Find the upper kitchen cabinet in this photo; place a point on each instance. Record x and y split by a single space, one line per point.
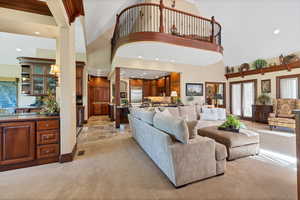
36 79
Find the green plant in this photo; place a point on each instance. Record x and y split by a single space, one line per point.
259 63
51 106
264 99
232 122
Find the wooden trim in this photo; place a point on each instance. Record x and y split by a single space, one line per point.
278 78
117 96
32 59
282 67
297 130
69 156
224 91
74 8
32 6
242 89
167 38
29 163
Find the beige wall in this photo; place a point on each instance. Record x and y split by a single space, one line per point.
271 76
51 54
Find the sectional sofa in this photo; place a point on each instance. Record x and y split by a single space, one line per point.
174 146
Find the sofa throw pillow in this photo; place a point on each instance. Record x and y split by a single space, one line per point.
188 113
173 126
146 116
221 113
192 126
209 114
174 112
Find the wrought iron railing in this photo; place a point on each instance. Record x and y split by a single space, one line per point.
150 17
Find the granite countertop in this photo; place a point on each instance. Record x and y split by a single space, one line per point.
24 117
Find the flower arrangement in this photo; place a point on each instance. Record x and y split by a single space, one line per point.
264 99
51 106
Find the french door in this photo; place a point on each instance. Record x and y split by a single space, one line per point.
243 95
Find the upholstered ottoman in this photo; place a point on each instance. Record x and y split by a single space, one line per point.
238 145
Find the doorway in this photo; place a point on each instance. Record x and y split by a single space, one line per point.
98 95
242 97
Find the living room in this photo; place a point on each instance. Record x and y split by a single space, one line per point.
183 99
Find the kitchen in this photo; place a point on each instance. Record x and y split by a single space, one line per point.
29 112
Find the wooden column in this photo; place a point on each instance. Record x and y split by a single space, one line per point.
297 113
161 9
117 96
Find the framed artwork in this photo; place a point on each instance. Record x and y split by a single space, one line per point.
123 95
194 89
266 86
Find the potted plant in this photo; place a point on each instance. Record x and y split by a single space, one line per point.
232 124
259 63
264 99
51 106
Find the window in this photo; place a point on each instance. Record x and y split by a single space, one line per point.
288 87
9 93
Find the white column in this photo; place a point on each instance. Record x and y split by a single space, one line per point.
67 90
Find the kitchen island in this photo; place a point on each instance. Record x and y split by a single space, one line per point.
28 140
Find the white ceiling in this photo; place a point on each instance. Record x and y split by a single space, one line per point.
247 25
142 73
28 45
100 15
164 52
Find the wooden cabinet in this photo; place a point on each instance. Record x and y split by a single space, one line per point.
17 142
175 82
79 80
261 113
36 78
30 142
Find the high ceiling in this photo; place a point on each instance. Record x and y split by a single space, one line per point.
247 25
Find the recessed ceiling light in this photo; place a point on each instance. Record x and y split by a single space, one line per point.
140 57
156 58
276 31
18 49
172 60
37 33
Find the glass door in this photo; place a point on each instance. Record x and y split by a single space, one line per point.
243 96
236 100
248 99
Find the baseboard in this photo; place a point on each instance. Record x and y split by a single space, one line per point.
69 156
85 122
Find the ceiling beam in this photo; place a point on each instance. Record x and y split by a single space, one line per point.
74 8
32 6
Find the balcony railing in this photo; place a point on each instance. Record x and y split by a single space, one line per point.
157 18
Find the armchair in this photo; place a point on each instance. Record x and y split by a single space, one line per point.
282 115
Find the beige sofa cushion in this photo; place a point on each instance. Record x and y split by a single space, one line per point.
285 106
173 126
192 126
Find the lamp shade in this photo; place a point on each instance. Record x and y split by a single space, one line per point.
54 70
173 94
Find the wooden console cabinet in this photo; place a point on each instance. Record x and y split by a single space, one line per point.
261 113
28 141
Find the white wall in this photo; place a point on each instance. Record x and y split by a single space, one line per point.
248 26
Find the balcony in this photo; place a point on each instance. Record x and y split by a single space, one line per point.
149 22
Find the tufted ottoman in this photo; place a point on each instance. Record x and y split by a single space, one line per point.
238 145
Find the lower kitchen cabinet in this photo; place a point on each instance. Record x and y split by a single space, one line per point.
28 142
